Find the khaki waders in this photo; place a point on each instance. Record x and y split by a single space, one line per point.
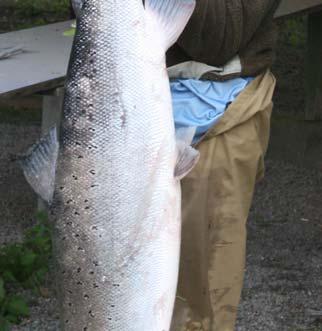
217 196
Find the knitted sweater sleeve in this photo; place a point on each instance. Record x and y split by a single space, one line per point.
222 29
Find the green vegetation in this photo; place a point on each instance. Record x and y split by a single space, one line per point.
28 13
293 31
37 7
40 12
23 266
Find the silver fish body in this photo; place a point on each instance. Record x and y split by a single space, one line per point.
116 206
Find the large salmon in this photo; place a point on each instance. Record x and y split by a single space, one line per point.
115 199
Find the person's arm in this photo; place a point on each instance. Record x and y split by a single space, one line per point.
221 29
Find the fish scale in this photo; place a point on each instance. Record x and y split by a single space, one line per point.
116 203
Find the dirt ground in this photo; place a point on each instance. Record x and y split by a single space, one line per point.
284 257
283 283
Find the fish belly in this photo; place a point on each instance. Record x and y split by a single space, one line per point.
116 207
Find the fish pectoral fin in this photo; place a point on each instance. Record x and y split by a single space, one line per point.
39 165
187 159
172 17
187 156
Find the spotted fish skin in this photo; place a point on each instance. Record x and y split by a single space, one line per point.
116 203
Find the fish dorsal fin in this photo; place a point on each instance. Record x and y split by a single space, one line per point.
171 17
187 156
39 165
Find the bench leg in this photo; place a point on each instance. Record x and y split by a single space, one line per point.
52 110
314 68
51 116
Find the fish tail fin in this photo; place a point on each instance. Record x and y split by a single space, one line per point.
171 17
39 165
187 156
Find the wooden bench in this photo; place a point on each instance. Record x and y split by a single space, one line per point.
291 7
42 67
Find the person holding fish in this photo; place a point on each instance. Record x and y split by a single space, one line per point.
221 84
112 176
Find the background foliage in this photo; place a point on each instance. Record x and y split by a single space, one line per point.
37 7
23 266
293 31
18 14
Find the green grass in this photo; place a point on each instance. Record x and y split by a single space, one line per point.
23 266
32 8
29 13
293 31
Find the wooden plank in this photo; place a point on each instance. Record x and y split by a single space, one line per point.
44 63
37 88
313 68
52 110
291 7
